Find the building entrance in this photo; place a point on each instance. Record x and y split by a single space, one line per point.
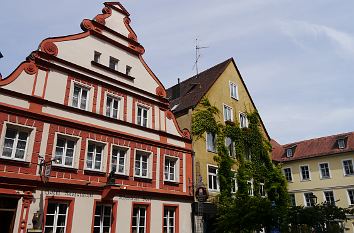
8 207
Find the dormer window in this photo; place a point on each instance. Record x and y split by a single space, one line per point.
113 63
341 143
128 70
97 57
289 152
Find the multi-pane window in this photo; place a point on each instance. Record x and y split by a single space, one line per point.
309 201
292 199
139 219
262 191
97 57
213 183
287 173
80 97
289 152
15 144
112 107
102 219
348 167
233 91
227 113
128 70
118 164
341 143
211 142
56 217
64 151
329 196
351 196
113 63
243 120
170 169
250 187
169 220
230 145
142 117
141 164
94 156
324 169
305 172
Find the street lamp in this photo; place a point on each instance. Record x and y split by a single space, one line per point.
47 165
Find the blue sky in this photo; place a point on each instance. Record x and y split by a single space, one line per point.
296 57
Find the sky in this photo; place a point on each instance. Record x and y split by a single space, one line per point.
296 57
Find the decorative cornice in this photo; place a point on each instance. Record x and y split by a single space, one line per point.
169 114
49 47
186 133
31 68
160 91
101 18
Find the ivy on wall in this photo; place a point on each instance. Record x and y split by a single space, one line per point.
252 159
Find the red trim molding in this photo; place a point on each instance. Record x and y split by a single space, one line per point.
26 202
148 215
69 218
176 207
114 213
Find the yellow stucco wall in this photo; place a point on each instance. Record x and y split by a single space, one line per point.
218 95
338 182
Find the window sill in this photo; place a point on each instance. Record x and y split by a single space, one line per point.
171 182
116 72
64 168
121 176
16 162
214 152
348 175
305 180
235 98
325 178
143 179
213 190
94 172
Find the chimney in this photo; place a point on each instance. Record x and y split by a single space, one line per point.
176 90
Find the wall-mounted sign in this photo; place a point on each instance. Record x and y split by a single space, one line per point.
202 194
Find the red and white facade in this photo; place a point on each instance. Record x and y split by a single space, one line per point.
91 105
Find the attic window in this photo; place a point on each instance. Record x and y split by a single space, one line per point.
113 63
97 56
174 107
289 152
341 143
192 87
128 70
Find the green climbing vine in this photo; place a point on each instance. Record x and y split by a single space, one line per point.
254 170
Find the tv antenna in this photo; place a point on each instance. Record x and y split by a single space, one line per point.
197 55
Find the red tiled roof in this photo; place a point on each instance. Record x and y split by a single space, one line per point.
313 147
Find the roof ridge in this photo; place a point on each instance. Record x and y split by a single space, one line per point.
204 71
318 138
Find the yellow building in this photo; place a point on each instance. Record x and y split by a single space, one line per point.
225 89
322 167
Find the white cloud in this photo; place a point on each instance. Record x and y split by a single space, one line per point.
297 30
